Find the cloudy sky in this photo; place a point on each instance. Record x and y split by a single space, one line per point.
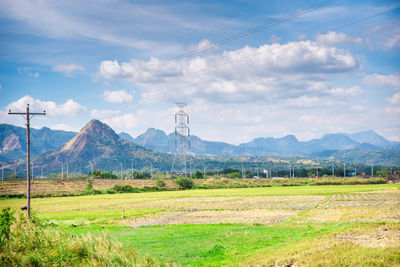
302 67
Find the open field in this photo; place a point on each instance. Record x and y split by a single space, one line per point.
302 225
77 186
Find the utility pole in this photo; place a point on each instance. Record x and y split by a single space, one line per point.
67 172
2 172
333 171
290 170
344 169
28 116
204 171
242 171
91 169
121 169
62 170
372 170
317 172
355 170
132 167
151 171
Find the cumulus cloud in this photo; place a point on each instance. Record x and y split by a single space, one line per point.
67 69
335 38
64 127
115 118
120 96
69 109
28 71
394 41
390 81
343 92
247 74
274 39
395 99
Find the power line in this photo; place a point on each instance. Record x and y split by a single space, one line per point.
223 41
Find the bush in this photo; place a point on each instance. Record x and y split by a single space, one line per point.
184 182
6 219
197 175
160 183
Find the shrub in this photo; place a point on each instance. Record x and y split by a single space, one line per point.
160 183
89 188
184 182
6 219
197 175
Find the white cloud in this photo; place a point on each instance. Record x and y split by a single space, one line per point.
202 45
64 127
394 41
28 71
395 99
274 39
334 38
69 109
116 119
393 110
67 69
244 75
343 92
120 96
391 80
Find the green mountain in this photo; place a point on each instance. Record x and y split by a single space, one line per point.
13 141
99 145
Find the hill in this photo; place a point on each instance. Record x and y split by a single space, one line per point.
13 141
99 145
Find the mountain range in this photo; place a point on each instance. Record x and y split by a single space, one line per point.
100 146
288 145
97 146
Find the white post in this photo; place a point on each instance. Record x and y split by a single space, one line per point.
121 169
344 169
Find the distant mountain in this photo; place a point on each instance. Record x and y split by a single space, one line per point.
382 157
13 141
369 137
99 145
126 136
158 140
286 146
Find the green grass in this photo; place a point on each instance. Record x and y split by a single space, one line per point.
121 200
78 217
209 244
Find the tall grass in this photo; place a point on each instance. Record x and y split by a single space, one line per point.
32 244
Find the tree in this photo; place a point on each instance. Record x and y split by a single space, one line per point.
184 182
197 175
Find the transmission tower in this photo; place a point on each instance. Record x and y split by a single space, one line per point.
182 141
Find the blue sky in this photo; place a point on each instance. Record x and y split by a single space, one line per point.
314 74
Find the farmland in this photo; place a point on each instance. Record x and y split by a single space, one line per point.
303 225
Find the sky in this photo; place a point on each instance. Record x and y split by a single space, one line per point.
333 67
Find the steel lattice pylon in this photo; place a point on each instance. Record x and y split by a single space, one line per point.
182 141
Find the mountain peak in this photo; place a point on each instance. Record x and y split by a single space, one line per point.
93 132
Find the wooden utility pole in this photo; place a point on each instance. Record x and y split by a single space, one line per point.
28 116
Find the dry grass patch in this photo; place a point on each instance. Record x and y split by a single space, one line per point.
261 216
351 214
234 203
364 245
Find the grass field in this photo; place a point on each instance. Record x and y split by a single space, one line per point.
345 225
